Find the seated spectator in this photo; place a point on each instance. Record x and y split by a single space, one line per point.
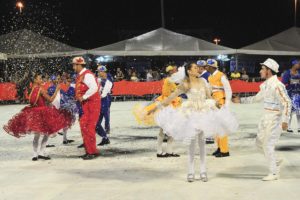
156 76
235 75
245 76
134 77
120 75
128 74
149 76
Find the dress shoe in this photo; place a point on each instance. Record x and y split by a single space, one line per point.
44 157
216 152
172 155
80 146
90 156
82 155
209 141
220 155
50 145
68 141
290 131
161 155
34 158
104 141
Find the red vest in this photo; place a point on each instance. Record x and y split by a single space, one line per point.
81 87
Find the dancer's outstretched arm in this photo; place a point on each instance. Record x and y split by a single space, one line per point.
253 99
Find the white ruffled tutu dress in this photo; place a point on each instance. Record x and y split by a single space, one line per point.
196 114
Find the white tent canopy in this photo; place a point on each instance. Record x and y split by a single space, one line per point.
27 44
285 43
3 56
162 42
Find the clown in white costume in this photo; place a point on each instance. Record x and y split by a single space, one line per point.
197 118
277 109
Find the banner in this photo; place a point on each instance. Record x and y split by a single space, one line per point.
8 90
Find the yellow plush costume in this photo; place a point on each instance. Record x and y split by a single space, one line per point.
140 111
218 95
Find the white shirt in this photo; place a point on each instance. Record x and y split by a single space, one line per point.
274 95
90 81
226 87
106 89
149 77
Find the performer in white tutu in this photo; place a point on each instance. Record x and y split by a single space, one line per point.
197 118
277 109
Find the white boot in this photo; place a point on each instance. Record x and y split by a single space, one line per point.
190 178
203 177
271 177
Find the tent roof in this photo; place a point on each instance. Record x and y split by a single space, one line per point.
284 43
3 56
25 44
161 42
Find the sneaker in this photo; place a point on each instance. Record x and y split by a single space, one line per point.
203 177
190 178
271 177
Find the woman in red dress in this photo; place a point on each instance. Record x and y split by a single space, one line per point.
39 119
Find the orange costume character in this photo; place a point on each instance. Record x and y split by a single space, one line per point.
87 92
221 93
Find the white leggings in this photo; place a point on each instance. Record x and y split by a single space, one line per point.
191 160
36 150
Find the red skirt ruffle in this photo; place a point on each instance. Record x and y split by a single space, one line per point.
43 120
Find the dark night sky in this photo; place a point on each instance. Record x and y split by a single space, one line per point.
93 23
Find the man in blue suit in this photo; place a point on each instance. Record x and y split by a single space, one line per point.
106 87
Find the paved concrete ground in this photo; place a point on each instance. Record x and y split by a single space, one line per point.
128 168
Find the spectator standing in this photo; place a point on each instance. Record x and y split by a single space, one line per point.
120 75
